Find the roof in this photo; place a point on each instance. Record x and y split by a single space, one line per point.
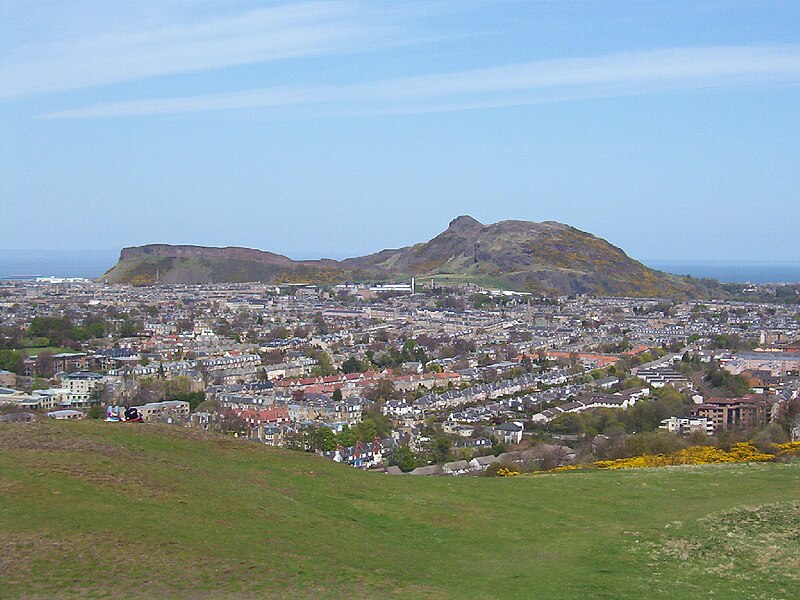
456 465
427 470
83 375
731 401
509 427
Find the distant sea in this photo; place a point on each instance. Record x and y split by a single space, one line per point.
93 263
56 263
732 271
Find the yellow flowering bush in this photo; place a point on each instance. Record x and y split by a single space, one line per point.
743 452
694 455
504 472
569 468
788 449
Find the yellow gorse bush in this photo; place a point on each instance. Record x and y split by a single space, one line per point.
507 473
695 455
788 449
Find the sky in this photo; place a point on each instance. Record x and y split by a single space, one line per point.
339 128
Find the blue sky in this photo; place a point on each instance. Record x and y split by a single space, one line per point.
335 129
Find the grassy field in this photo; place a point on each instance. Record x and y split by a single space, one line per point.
94 510
35 350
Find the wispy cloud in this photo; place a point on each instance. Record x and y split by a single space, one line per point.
619 74
150 50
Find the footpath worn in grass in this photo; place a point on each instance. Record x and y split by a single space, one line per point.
95 510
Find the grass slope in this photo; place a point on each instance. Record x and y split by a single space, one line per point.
91 509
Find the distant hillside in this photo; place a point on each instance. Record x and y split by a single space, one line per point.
547 258
199 264
108 510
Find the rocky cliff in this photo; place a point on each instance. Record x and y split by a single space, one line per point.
547 258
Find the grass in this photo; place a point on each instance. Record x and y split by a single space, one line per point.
487 281
36 350
92 509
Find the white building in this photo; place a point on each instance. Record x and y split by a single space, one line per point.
688 425
79 386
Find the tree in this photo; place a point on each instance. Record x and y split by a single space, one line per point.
404 458
180 388
279 333
321 325
383 427
148 389
735 385
382 391
647 415
337 395
346 437
633 382
95 412
789 414
55 329
324 364
44 364
441 449
772 434
568 423
233 424
651 442
353 365
365 430
11 360
498 447
324 439
129 328
177 386
99 393
272 357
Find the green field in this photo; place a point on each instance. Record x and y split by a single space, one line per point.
92 509
36 351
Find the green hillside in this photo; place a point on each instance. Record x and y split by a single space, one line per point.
91 509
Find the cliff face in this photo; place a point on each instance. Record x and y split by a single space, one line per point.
229 253
200 264
548 258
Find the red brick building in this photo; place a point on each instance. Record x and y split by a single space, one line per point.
735 413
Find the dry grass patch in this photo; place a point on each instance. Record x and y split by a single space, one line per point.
746 544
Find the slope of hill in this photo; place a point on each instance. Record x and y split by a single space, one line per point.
199 264
92 509
548 258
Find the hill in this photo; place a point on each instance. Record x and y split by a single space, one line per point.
200 264
91 509
547 258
